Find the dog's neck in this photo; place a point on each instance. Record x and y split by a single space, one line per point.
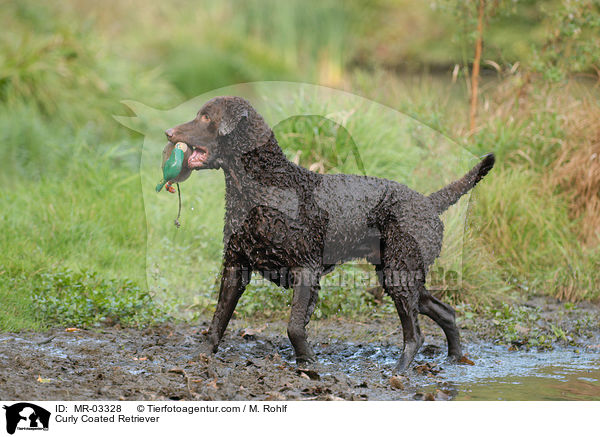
261 167
262 176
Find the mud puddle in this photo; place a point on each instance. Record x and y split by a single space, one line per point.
255 362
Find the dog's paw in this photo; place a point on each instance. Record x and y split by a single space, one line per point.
303 360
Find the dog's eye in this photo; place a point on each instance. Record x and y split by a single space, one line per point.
205 118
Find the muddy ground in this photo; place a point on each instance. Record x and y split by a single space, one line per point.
255 361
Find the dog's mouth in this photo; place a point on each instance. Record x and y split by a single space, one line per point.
198 157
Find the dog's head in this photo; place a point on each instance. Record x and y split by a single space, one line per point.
224 127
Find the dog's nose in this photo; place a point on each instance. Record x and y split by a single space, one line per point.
170 132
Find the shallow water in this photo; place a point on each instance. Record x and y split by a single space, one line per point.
520 375
497 373
549 384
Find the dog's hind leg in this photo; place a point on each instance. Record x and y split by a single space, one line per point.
405 300
233 283
444 315
401 275
306 291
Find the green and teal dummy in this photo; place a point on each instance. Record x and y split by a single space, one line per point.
172 167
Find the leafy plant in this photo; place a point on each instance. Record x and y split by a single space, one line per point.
84 299
572 45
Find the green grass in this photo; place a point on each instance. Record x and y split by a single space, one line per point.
87 216
530 231
86 241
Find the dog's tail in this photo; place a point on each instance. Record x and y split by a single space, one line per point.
450 194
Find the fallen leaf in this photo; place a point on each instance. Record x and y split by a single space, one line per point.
465 360
213 384
397 382
140 358
428 369
250 333
177 370
72 329
311 374
43 380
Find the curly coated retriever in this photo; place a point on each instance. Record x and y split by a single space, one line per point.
293 226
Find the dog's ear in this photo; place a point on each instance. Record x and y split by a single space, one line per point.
234 113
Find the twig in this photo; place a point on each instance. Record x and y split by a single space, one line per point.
46 341
476 62
177 224
182 372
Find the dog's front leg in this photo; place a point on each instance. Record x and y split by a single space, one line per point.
306 290
233 283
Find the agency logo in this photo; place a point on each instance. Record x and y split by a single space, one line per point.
26 416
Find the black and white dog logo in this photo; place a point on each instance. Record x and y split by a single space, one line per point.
26 416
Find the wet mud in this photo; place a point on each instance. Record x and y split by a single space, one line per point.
255 362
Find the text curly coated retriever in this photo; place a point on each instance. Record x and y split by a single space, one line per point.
293 226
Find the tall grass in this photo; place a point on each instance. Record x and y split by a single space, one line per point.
541 222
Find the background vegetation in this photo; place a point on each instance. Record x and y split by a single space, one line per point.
73 225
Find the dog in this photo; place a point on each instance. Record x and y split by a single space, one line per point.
293 226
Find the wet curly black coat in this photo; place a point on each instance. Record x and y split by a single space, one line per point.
293 226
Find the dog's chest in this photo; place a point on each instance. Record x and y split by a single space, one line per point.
274 227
